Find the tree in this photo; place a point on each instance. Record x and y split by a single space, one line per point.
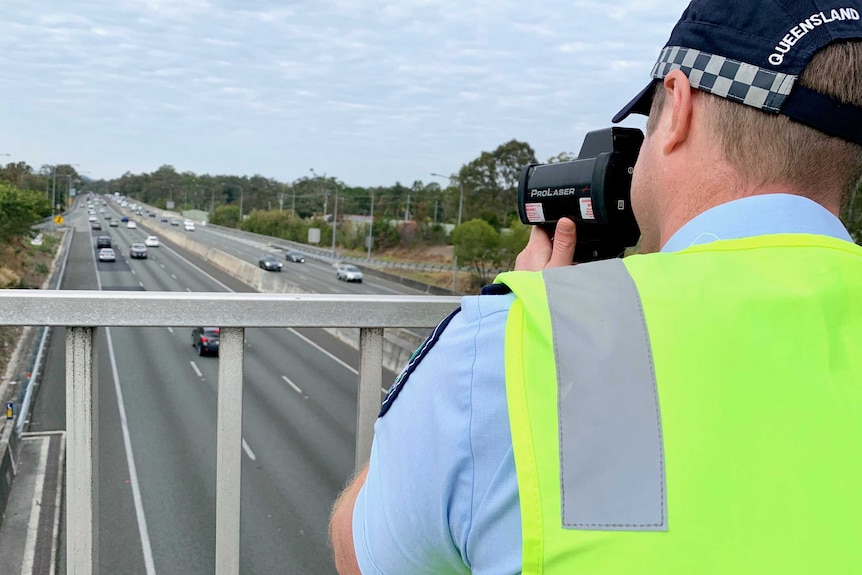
561 158
477 244
19 210
491 182
226 216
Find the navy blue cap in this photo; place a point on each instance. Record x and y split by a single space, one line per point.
753 51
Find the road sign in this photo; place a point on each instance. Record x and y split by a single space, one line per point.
58 219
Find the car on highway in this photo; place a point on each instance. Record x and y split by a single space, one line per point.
151 242
124 219
138 251
175 222
103 242
131 225
107 255
206 340
163 219
293 256
189 226
107 216
93 218
151 214
348 273
95 226
114 224
269 262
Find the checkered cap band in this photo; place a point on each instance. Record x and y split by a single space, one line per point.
720 76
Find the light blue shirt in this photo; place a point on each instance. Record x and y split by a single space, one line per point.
441 494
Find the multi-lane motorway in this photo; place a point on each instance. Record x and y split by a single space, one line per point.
157 414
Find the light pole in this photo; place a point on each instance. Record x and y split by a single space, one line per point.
54 187
241 197
460 210
334 209
370 239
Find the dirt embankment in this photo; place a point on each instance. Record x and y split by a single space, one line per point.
23 266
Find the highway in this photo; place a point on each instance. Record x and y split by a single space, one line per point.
157 414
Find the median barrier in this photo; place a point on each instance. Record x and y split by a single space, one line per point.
398 345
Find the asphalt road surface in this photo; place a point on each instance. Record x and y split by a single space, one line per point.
158 443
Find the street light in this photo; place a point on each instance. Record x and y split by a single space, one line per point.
460 210
334 210
54 186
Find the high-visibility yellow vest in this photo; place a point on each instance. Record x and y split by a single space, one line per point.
692 412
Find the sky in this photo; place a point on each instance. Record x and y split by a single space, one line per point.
368 91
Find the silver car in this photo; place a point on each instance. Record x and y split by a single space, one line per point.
349 273
107 255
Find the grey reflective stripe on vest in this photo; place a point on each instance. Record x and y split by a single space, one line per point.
611 454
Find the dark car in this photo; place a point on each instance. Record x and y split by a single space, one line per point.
138 251
294 257
206 340
124 219
270 263
103 242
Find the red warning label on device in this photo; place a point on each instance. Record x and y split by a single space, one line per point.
587 209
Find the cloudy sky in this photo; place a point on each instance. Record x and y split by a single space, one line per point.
369 91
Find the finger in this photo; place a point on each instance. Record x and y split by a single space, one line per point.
536 254
565 237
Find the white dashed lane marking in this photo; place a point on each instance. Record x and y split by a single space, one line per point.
195 367
291 384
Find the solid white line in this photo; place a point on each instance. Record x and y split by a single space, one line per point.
311 343
146 548
58 502
195 367
248 450
291 384
170 329
35 510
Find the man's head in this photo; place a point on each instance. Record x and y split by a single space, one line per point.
777 101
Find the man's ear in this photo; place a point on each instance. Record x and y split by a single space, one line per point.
679 95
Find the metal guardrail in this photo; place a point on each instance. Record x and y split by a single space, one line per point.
83 312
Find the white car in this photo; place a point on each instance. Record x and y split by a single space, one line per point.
107 255
131 225
189 226
93 218
151 242
348 273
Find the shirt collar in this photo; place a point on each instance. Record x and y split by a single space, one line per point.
757 216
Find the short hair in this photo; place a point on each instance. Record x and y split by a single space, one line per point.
769 148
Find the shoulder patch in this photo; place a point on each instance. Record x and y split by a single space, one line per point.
496 289
414 361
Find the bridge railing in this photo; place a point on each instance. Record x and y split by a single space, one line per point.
83 312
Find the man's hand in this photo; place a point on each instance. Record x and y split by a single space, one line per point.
542 252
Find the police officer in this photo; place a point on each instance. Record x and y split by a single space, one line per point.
696 409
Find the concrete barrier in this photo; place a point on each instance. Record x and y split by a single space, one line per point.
398 345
